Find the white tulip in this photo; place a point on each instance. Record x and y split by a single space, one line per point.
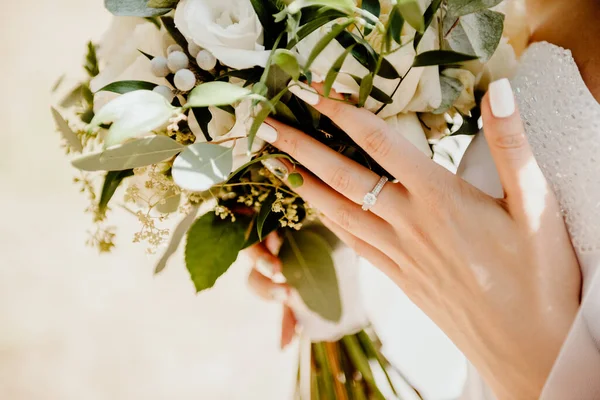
229 29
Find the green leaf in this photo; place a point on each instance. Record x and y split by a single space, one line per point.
374 8
366 86
65 130
286 60
91 61
428 19
112 180
162 3
133 8
451 90
203 116
411 12
263 214
148 56
376 93
212 246
72 98
216 94
394 28
261 116
327 15
335 70
441 57
457 8
336 30
202 165
346 6
479 33
123 87
308 267
366 55
134 154
265 10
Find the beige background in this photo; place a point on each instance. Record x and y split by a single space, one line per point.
77 326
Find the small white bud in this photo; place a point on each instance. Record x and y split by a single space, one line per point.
159 67
185 80
194 49
177 60
293 8
165 91
174 47
206 60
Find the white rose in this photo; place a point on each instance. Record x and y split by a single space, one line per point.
229 29
503 64
119 56
409 126
435 126
225 126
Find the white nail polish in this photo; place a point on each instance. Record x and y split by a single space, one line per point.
267 133
305 93
265 266
279 294
276 167
502 99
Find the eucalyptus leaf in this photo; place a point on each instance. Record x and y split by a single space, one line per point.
376 93
133 8
457 8
335 70
411 12
112 180
323 18
478 33
212 246
216 94
73 97
286 60
308 267
65 130
441 57
263 214
428 19
366 55
162 3
451 90
336 30
202 165
123 87
134 154
178 233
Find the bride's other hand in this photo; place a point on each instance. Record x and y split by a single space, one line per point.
267 281
499 276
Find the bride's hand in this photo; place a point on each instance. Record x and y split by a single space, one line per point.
499 276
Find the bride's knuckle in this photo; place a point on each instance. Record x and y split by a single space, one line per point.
510 140
346 218
341 180
291 145
377 142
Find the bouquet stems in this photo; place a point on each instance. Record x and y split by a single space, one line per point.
353 368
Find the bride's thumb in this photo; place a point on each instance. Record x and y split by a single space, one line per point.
503 129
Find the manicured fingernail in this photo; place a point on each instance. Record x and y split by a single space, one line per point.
277 168
267 133
502 100
279 294
265 266
305 92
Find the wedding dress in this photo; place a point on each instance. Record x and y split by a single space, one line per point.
562 121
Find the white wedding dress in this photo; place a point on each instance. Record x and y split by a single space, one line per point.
562 120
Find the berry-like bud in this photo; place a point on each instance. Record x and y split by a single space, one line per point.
174 47
194 49
165 91
177 60
159 67
185 80
206 60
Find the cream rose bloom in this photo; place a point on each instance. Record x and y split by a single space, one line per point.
119 56
229 29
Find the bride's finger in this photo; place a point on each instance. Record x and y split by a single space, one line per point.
365 250
390 149
265 261
364 225
343 175
266 288
519 172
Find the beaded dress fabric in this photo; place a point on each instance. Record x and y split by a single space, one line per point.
562 121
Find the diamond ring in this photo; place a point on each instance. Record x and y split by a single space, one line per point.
371 198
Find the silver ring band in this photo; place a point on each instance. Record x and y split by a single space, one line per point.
371 198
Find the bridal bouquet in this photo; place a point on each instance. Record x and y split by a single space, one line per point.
178 90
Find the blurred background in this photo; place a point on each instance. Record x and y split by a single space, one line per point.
78 325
